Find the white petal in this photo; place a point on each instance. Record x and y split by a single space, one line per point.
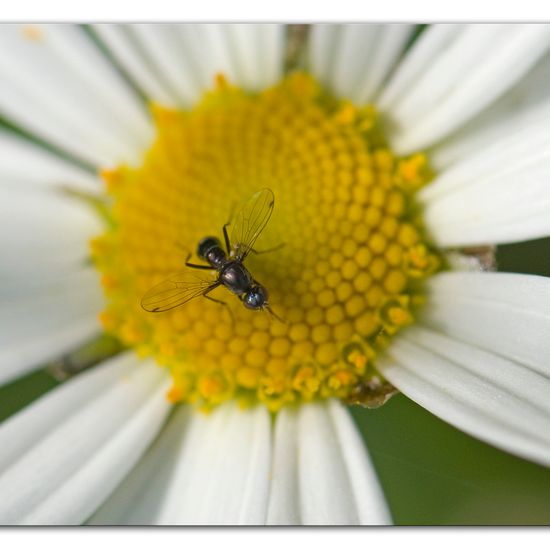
24 164
49 297
369 498
499 194
257 54
119 41
321 472
525 104
63 455
323 43
223 477
174 64
433 41
434 60
459 83
325 488
353 60
160 44
498 400
221 469
119 104
272 51
391 43
38 326
45 234
216 474
138 499
505 313
284 498
59 86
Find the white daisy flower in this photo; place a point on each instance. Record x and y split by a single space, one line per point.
390 164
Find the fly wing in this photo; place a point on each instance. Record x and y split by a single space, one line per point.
250 221
176 291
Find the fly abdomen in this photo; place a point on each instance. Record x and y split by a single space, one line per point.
210 249
235 277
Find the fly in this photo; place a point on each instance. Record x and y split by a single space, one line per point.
246 227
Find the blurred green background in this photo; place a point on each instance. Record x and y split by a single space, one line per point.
432 474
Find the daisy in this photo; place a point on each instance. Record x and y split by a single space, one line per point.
393 166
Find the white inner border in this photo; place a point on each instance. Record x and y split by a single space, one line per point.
418 11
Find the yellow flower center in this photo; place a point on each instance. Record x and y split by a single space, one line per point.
347 278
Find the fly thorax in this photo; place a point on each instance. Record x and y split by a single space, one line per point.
236 277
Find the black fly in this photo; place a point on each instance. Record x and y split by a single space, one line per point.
246 227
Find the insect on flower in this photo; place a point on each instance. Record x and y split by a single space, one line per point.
246 227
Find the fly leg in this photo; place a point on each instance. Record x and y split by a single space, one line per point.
272 249
221 302
197 266
226 237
